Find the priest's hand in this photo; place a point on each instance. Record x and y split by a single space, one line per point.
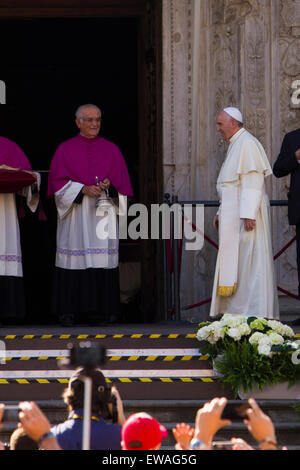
249 224
92 191
105 184
297 154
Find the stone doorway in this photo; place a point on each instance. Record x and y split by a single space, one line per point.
56 58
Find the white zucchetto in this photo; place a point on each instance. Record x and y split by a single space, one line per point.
235 113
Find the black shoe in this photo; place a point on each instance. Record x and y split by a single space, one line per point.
295 322
67 320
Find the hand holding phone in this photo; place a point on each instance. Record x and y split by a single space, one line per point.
234 411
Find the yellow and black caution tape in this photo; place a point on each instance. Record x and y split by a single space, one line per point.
157 358
114 358
100 336
105 336
120 380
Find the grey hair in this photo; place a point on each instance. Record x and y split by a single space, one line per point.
239 123
81 108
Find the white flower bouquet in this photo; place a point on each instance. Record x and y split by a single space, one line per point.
254 351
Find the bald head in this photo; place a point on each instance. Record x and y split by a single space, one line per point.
88 120
227 125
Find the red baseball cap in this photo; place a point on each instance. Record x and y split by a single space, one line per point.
142 432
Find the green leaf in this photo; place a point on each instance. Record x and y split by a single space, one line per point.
251 319
277 348
243 368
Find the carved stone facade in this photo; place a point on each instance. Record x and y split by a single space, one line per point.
219 53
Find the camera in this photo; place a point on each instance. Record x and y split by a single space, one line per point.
222 445
87 355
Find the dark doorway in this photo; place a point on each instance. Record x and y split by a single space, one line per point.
50 67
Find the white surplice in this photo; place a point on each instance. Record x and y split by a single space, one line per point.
244 282
10 246
80 244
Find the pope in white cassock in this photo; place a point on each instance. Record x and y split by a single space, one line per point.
244 282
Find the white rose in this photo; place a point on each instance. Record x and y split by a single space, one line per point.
211 333
234 333
218 331
232 320
225 318
202 334
264 349
274 324
244 329
199 334
275 338
287 331
254 339
281 328
265 340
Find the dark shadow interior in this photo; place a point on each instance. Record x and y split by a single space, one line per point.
50 67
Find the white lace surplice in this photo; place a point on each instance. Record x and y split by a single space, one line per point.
78 243
10 246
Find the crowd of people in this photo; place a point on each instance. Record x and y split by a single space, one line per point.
110 430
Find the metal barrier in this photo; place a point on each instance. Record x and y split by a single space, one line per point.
173 257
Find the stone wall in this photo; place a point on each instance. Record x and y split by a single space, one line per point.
219 53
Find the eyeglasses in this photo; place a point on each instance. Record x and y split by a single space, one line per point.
90 120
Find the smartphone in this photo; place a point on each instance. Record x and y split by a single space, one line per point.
11 414
115 409
234 411
222 445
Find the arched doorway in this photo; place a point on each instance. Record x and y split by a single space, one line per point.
56 58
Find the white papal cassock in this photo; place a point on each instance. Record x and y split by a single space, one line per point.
244 282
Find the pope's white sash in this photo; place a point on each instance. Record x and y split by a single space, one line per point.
229 227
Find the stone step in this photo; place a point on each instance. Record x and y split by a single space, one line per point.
165 357
153 367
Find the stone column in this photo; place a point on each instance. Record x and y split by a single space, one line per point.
177 108
219 53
